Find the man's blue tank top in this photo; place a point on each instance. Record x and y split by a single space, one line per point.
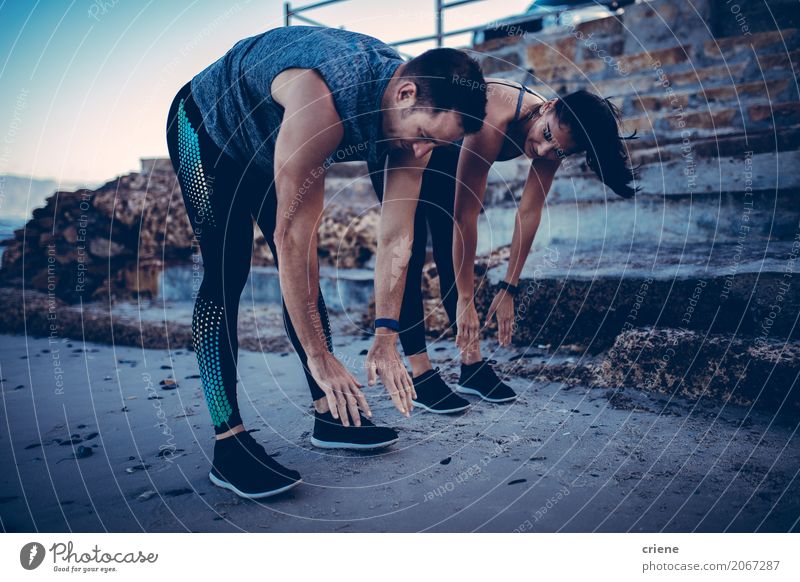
233 94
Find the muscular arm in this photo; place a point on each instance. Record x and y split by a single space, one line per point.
396 235
396 231
310 131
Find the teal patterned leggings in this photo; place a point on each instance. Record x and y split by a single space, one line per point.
222 199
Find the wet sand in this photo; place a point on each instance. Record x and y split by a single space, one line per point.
104 438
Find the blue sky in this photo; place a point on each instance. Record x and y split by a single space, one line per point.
85 84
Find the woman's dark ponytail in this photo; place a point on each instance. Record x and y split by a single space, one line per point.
594 122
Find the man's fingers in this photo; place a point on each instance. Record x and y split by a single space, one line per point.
401 385
413 388
353 380
342 404
352 409
371 373
394 393
466 337
412 394
362 403
329 396
408 385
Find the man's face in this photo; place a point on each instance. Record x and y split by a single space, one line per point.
419 129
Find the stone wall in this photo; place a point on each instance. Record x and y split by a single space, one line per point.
697 101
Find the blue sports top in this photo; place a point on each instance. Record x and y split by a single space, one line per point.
239 114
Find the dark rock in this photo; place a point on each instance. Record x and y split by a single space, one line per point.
746 371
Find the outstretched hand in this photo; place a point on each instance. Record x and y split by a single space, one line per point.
502 308
467 326
342 390
385 362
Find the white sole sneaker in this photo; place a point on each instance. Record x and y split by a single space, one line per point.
464 390
351 446
225 485
449 411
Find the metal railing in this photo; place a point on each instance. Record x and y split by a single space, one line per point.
533 21
440 6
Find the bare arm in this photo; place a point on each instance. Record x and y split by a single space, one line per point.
478 153
310 131
529 215
395 238
396 231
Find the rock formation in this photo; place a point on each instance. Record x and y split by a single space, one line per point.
113 242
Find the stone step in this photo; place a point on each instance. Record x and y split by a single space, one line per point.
604 50
734 48
587 227
715 164
676 169
589 298
693 99
649 81
714 122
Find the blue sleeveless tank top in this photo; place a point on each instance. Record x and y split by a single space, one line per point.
233 93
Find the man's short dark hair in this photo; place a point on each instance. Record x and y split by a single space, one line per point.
449 79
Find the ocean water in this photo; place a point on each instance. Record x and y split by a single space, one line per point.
7 227
343 289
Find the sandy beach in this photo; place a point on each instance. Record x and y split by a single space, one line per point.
105 438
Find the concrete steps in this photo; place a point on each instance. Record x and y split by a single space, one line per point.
590 297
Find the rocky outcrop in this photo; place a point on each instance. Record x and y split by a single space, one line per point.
348 238
113 242
759 372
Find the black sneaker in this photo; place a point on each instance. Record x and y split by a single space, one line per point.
435 396
480 380
330 433
244 467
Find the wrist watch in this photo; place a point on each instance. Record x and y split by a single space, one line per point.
509 288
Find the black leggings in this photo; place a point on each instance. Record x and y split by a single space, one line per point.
222 198
434 211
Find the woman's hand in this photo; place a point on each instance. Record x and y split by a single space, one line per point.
467 325
502 308
342 390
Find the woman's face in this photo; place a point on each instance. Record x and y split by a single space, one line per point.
546 138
